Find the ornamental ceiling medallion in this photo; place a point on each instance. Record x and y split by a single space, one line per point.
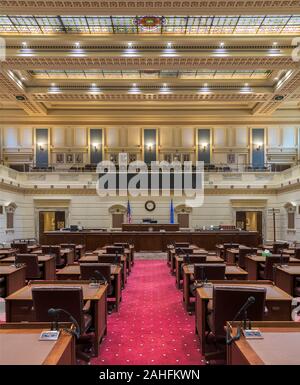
150 23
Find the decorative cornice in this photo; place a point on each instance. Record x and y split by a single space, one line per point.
120 63
170 7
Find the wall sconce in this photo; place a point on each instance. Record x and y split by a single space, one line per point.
41 147
259 146
203 147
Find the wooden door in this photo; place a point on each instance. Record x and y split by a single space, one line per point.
117 220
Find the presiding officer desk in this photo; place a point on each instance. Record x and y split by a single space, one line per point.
150 240
19 305
278 304
279 346
20 345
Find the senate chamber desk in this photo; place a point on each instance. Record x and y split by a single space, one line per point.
16 339
48 261
72 272
285 277
14 277
232 272
19 305
278 303
253 261
150 240
280 345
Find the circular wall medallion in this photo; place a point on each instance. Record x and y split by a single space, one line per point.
150 205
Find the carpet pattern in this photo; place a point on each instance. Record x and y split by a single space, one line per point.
151 326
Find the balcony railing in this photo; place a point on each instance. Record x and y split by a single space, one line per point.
215 168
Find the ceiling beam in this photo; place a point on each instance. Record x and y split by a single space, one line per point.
287 89
17 93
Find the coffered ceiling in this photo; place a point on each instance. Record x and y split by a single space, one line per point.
111 56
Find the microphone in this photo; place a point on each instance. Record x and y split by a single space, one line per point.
53 313
98 276
56 312
250 301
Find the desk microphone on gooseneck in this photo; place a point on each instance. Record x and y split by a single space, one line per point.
250 301
54 313
99 277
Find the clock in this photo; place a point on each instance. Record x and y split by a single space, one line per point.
150 205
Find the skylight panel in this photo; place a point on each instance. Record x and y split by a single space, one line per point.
124 24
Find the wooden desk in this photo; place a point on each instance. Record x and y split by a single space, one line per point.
48 261
19 305
232 254
278 303
285 277
66 253
7 253
72 272
93 258
179 262
280 345
127 253
20 345
147 226
193 248
253 261
32 248
14 277
231 272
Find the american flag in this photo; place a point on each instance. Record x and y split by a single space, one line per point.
128 212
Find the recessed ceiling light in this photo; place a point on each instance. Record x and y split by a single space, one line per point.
222 44
134 85
77 44
52 84
169 44
165 85
24 44
275 43
205 84
130 44
93 84
23 78
276 79
246 84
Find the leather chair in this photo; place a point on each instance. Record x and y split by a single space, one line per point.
70 246
297 253
69 299
209 271
2 287
277 247
183 250
110 258
22 247
114 250
55 251
266 270
34 269
195 258
87 272
227 301
297 287
243 254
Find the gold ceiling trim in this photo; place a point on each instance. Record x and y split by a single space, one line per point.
169 7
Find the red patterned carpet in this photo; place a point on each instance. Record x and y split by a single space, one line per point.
151 326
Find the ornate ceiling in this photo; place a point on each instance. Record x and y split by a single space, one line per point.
205 56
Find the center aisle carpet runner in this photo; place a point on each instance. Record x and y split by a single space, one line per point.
151 327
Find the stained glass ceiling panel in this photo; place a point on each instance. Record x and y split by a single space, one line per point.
181 25
200 74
